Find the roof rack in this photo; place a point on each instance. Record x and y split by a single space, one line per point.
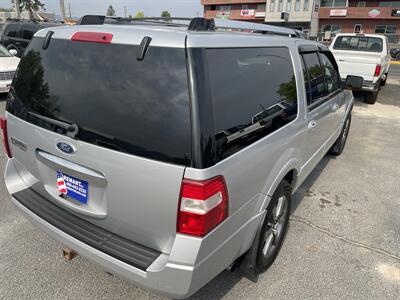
195 24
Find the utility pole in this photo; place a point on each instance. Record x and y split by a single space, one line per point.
125 10
62 9
69 9
17 11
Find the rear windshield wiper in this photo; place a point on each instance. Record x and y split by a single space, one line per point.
71 129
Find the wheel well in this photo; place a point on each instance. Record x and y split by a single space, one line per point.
291 177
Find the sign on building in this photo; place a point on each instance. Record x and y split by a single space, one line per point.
247 13
338 12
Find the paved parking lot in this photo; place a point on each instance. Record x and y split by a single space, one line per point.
343 241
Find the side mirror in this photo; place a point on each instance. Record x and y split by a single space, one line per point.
13 52
353 82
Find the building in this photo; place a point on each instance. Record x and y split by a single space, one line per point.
367 16
297 14
244 10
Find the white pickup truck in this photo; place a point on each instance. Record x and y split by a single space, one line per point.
365 55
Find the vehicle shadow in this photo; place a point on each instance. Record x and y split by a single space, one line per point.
385 96
225 281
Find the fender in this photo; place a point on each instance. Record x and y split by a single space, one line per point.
292 165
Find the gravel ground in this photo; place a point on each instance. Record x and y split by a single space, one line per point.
343 241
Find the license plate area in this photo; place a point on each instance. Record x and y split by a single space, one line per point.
72 188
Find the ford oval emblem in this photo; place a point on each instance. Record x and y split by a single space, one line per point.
66 148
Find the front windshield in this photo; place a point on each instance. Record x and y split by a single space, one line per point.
4 52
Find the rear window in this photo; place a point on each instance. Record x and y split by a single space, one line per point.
118 102
253 94
358 43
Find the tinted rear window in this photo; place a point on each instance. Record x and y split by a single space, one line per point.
253 94
358 43
118 102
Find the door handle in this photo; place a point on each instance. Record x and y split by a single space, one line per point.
335 107
312 125
341 59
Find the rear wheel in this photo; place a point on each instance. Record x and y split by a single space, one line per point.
383 82
275 226
370 97
338 146
398 56
12 47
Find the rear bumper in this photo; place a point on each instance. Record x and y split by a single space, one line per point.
368 86
191 263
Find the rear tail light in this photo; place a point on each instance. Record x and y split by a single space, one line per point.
3 126
203 205
377 70
94 37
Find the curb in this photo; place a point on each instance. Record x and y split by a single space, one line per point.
395 62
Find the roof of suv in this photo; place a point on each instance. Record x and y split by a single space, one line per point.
175 35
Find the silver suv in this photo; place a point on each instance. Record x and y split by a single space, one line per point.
165 151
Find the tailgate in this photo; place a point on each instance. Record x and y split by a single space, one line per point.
121 166
356 63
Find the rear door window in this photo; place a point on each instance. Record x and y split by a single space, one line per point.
253 94
118 102
331 73
315 85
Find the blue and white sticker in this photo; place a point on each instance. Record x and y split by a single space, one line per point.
73 187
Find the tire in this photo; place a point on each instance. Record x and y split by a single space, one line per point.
383 82
275 226
9 47
370 97
398 56
338 146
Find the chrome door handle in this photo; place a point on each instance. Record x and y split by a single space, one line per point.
335 107
312 124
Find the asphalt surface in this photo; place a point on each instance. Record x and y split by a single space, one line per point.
343 240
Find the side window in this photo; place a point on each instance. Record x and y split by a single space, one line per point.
28 32
253 94
12 30
331 74
316 77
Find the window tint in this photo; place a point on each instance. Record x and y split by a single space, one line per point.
12 30
358 43
331 74
118 102
316 77
253 93
27 33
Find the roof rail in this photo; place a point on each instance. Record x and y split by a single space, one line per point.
101 19
257 28
195 24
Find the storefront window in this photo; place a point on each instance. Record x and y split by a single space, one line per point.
385 29
334 3
389 4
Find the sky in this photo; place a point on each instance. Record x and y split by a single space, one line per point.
177 8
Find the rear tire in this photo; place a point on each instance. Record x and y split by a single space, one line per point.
338 146
383 82
275 226
10 47
370 97
398 56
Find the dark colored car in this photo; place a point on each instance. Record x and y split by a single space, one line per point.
17 34
395 53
